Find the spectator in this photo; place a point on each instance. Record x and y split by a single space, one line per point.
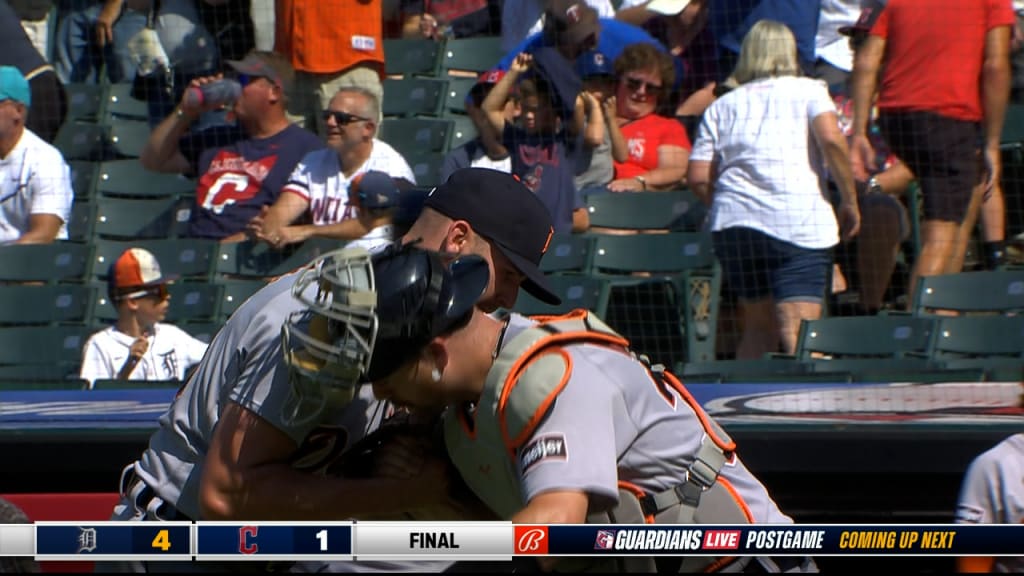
772 226
376 200
95 34
35 182
938 100
521 19
603 142
48 97
542 152
658 148
318 189
140 346
332 44
240 169
487 149
833 53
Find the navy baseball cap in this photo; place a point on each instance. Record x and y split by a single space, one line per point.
505 212
374 190
595 63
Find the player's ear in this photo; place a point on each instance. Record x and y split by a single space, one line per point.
437 354
459 237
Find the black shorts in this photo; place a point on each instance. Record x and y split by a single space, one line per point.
943 153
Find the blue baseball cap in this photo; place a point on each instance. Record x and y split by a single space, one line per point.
595 63
13 86
375 191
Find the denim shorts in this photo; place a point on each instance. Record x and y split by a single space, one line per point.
758 266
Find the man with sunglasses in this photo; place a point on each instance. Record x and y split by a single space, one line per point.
140 346
315 201
240 169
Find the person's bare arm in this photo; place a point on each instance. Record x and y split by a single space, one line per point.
246 476
866 67
580 220
288 207
837 157
162 152
494 104
699 177
671 170
42 229
995 96
593 132
620 149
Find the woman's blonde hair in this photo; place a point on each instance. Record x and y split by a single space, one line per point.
769 50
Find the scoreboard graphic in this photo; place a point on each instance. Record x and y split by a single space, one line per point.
342 541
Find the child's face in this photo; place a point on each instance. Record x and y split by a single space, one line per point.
536 114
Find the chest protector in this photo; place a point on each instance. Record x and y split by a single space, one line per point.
527 376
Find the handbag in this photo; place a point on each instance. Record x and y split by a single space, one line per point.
152 66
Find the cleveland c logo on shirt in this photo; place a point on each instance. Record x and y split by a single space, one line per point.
231 179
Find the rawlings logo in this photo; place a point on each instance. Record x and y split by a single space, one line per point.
547 447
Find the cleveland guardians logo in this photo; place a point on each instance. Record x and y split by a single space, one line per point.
247 539
605 540
531 539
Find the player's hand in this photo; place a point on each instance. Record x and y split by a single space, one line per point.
192 110
862 157
521 64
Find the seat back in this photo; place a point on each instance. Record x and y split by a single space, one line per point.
576 291
23 345
477 54
412 136
568 253
59 261
409 97
134 219
673 210
994 291
412 56
44 304
882 336
129 178
979 336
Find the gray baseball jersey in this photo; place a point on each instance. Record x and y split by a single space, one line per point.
993 493
612 422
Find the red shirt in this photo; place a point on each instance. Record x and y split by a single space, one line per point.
643 138
934 53
329 36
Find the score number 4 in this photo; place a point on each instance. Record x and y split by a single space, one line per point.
162 540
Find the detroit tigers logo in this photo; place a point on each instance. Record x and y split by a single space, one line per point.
247 539
231 179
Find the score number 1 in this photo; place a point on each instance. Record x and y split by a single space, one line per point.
322 537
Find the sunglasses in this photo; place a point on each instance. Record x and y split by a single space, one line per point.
158 292
343 118
635 84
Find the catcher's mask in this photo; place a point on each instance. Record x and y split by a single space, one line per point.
374 313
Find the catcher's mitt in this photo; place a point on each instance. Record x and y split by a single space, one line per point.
324 453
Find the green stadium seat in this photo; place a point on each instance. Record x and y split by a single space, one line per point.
133 219
194 301
235 293
408 97
65 375
866 344
59 261
83 141
757 370
85 101
471 54
992 291
83 179
119 105
458 89
1012 138
26 384
412 56
112 384
257 260
411 136
568 253
463 130
961 337
129 178
128 137
204 331
426 167
191 258
80 226
42 344
44 303
673 210
576 291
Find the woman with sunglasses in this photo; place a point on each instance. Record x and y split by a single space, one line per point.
759 161
658 146
139 346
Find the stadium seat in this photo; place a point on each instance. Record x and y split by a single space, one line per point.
80 226
204 331
408 97
119 105
83 141
673 210
83 179
42 345
257 260
412 57
664 292
128 137
568 253
44 304
129 178
881 336
59 261
993 291
979 337
186 258
471 54
30 383
757 370
56 372
1012 137
411 136
458 89
426 167
235 293
194 301
85 101
463 130
576 291
113 384
132 219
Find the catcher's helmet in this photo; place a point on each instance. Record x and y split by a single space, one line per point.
381 310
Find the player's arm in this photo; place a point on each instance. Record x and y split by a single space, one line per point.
558 507
246 475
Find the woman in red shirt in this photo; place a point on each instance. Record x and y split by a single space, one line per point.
658 147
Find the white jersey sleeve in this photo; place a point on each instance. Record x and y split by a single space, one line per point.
96 363
300 180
